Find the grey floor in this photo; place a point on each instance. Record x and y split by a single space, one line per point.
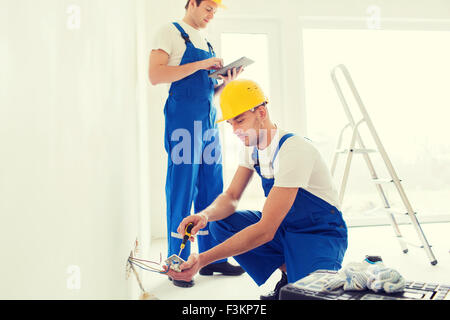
363 241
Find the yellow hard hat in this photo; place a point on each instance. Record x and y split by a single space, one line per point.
240 96
219 3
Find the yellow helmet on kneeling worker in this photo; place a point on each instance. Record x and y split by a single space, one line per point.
219 4
240 96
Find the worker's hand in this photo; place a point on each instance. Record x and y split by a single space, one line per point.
211 64
232 75
199 220
188 269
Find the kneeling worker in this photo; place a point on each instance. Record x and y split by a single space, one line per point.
300 228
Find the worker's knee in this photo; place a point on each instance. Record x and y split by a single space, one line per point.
223 229
218 230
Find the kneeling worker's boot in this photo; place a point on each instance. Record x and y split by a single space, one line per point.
224 268
275 294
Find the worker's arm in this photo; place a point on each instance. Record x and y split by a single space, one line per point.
277 205
224 205
161 72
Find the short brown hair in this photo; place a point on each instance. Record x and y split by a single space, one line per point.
198 3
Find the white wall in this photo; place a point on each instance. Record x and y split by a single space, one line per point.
69 144
158 13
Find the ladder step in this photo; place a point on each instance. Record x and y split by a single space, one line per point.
356 150
381 181
420 246
357 146
411 242
397 211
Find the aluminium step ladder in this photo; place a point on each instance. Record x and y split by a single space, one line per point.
362 150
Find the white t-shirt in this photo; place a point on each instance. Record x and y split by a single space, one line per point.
168 38
297 165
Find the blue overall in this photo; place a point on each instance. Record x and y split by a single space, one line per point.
194 171
312 236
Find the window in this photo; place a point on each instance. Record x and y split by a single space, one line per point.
402 77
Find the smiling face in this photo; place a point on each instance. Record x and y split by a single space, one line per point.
200 15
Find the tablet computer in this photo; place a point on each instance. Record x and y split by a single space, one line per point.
242 62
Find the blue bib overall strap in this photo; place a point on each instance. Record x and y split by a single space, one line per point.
211 50
194 169
312 236
190 45
187 40
268 183
184 35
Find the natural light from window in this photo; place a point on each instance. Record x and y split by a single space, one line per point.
402 77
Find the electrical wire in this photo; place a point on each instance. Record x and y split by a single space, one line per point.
142 263
146 267
136 259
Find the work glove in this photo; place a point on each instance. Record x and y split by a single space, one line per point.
359 276
353 276
383 278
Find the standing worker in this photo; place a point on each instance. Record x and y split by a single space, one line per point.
183 58
300 228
